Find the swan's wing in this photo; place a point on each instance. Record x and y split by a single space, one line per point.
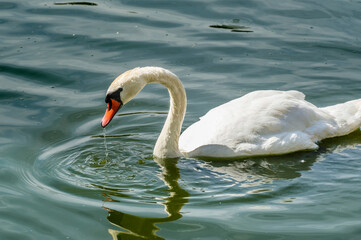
261 122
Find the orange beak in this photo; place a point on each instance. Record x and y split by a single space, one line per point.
110 112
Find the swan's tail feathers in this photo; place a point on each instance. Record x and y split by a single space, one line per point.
347 116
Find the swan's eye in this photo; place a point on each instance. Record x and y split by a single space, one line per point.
109 101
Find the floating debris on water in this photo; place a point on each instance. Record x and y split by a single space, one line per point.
77 3
233 28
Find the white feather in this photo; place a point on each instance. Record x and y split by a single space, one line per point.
267 122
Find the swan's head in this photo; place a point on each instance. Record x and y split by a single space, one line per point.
121 91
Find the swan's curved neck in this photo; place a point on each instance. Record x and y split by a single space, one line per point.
167 143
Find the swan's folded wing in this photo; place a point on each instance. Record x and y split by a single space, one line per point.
259 123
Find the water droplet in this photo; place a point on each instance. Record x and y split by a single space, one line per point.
105 143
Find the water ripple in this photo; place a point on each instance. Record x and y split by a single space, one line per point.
57 61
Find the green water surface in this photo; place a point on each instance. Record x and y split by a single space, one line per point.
60 178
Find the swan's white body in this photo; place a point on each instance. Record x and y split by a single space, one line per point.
267 122
259 123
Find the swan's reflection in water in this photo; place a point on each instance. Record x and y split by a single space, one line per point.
145 228
258 171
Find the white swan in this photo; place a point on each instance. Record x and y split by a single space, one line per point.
259 123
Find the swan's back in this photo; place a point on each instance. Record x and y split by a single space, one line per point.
261 123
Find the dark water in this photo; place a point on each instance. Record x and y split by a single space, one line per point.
61 179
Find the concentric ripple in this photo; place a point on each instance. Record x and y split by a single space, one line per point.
99 165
